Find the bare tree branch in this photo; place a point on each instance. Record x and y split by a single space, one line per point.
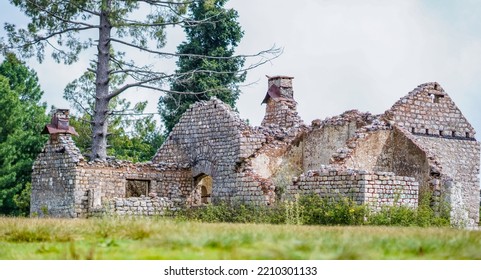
272 50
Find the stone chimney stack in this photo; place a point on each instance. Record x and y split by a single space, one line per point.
59 125
281 107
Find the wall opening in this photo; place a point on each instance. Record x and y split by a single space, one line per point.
467 135
136 188
437 98
453 134
427 131
203 187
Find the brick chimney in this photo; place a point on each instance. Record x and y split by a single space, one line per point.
59 125
281 107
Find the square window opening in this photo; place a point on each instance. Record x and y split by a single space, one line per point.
137 188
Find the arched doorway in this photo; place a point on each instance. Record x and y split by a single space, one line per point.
203 188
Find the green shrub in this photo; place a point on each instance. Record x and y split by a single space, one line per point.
331 211
423 216
314 210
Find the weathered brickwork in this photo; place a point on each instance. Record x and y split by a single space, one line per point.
376 189
331 135
110 179
212 140
387 151
429 117
53 178
281 107
422 145
459 161
87 186
429 110
139 206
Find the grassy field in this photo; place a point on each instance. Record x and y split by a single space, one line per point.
22 238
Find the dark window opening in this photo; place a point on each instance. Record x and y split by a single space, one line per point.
427 131
412 129
137 188
453 134
440 133
437 98
467 135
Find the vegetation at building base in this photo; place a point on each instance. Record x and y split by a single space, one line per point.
314 210
163 238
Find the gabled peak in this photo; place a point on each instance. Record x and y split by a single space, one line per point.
430 86
428 110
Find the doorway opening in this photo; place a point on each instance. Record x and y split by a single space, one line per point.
203 189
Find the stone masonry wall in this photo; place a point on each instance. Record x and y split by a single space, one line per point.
330 136
53 178
376 189
429 110
281 111
435 124
459 159
139 206
390 151
212 140
108 180
323 142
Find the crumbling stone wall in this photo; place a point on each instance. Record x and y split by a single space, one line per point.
281 112
212 140
330 136
64 184
429 110
139 206
389 151
108 179
422 142
459 159
281 108
53 178
376 189
429 117
273 166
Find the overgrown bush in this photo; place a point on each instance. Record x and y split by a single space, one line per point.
314 210
333 211
234 213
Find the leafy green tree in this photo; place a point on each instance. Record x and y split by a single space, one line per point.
131 26
22 118
205 75
141 139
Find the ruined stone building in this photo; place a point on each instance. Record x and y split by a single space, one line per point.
423 143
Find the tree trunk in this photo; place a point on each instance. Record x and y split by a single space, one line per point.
101 111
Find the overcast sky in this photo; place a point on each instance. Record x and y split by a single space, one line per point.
343 54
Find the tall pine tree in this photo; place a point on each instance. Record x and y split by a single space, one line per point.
117 30
205 76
